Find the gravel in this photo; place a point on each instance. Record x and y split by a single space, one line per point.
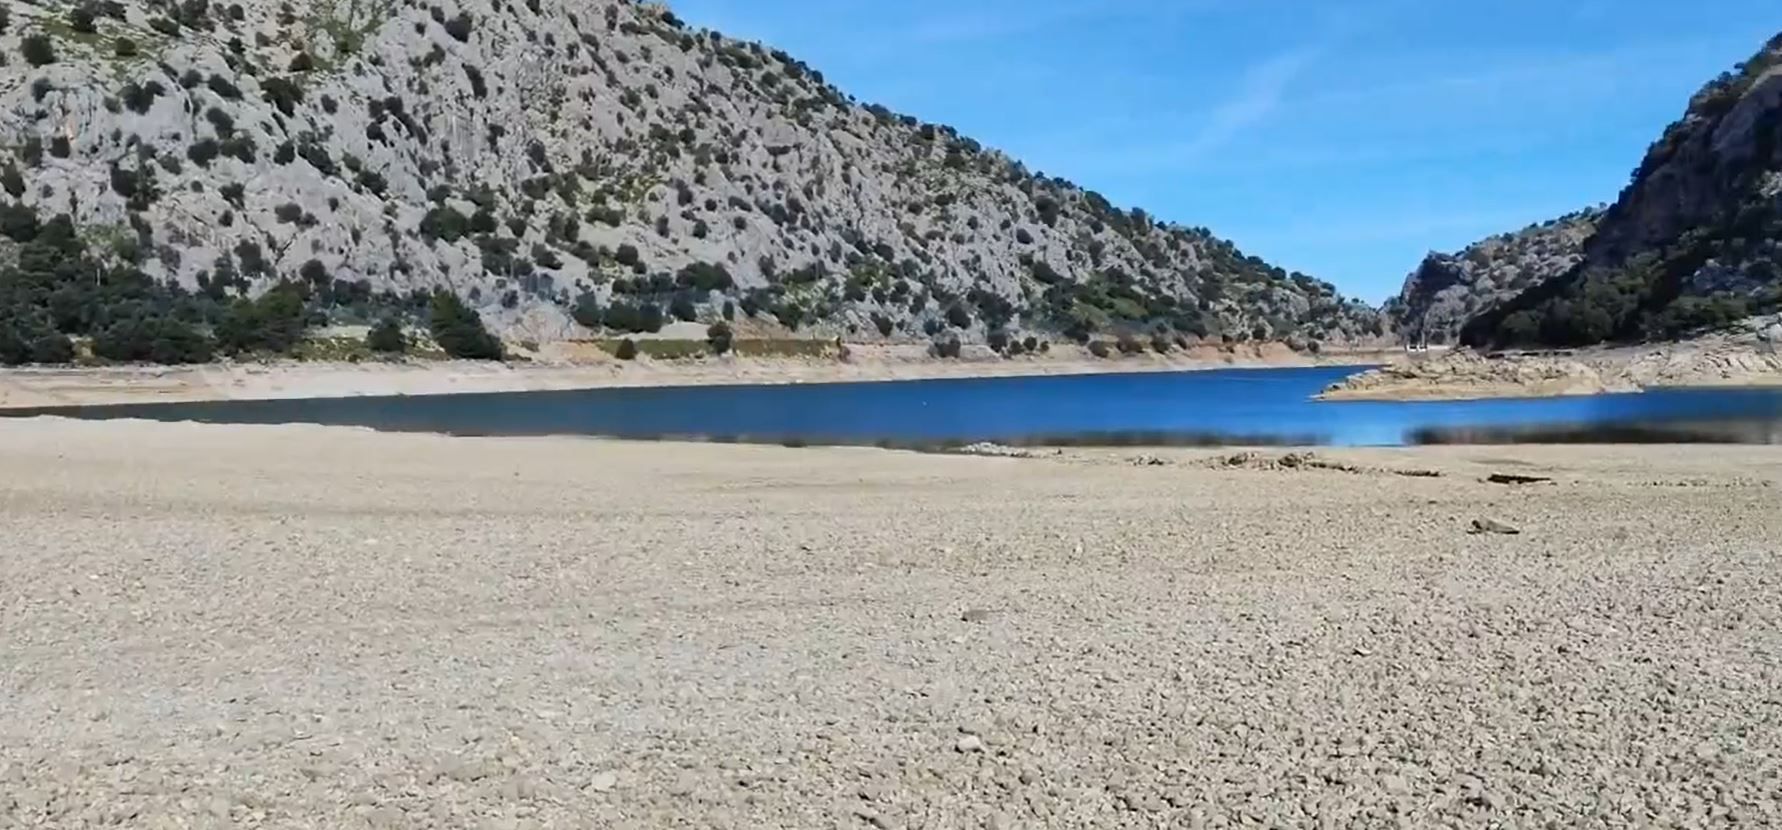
307 627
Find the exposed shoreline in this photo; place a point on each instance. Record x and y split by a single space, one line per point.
33 388
301 626
1717 361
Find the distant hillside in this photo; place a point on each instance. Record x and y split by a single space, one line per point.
1447 290
1693 242
565 168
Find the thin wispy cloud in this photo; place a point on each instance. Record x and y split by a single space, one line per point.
1256 97
1506 89
1259 95
962 27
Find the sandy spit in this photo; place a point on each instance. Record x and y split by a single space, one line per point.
209 626
32 388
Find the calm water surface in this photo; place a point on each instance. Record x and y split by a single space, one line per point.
1240 406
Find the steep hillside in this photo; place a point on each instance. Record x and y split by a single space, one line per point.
1447 290
554 162
1695 241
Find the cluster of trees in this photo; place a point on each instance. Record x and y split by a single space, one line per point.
58 290
1596 315
620 316
1112 300
1650 295
646 304
458 329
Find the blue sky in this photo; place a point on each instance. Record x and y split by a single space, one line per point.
1343 138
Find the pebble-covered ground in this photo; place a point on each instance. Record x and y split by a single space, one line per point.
305 627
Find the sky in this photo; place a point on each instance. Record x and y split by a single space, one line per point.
1342 138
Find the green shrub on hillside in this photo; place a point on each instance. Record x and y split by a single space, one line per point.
273 323
587 311
719 336
154 340
458 329
386 337
37 50
24 340
625 317
958 317
54 288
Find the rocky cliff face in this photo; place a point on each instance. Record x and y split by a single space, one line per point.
1693 242
551 161
1447 290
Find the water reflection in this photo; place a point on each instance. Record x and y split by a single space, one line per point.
1691 432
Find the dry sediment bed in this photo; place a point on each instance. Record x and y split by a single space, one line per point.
319 627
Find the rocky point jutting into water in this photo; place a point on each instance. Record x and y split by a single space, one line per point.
562 167
1749 354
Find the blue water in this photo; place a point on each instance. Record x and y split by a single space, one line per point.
1249 406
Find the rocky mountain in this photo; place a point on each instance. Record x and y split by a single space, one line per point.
571 166
1694 241
1447 290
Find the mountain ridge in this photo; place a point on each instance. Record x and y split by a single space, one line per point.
1447 290
1694 242
568 170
